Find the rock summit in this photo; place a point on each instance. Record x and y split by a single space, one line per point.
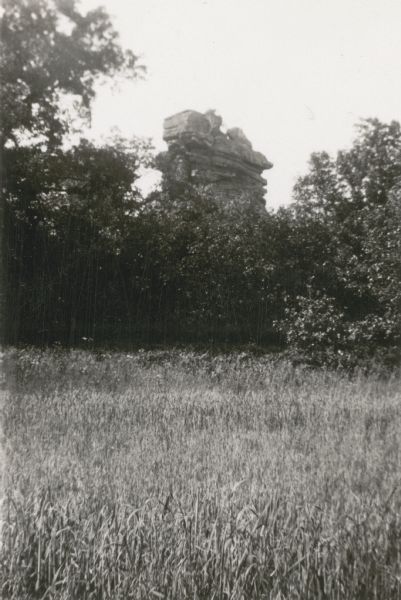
222 163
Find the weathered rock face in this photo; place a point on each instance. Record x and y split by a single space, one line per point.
201 154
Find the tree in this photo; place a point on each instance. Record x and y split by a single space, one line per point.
55 200
360 177
49 50
67 228
210 267
352 202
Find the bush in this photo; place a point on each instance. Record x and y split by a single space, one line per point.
318 332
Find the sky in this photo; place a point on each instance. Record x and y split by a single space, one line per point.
295 75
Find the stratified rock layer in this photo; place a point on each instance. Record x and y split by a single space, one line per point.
199 153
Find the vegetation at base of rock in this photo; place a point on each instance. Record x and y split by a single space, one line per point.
98 262
180 475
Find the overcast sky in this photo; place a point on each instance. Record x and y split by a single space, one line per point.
295 75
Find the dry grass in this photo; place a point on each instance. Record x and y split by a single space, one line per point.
176 475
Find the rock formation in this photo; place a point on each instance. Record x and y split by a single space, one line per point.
223 164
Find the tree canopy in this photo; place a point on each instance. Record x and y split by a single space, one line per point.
48 50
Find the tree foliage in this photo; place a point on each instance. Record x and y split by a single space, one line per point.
50 50
60 208
355 199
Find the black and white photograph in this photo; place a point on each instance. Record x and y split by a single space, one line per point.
200 300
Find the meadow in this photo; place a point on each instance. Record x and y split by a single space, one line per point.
182 475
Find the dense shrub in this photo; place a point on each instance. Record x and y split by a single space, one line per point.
317 331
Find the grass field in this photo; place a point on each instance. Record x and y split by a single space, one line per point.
183 476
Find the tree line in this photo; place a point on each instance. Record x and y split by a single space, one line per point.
87 259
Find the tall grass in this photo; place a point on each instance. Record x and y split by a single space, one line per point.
179 475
